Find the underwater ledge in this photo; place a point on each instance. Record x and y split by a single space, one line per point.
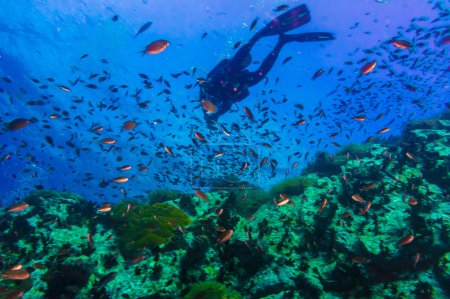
371 221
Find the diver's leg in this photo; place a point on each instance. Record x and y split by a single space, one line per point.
307 37
267 64
256 76
291 19
294 18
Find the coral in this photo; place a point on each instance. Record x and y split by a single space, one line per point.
359 149
325 165
163 195
249 200
212 290
146 225
293 185
66 280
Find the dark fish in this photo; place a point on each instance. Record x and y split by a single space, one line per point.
17 124
82 57
107 278
92 86
253 24
143 28
49 140
287 59
317 74
115 18
204 35
236 45
7 80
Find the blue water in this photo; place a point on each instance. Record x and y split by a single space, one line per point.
44 40
364 220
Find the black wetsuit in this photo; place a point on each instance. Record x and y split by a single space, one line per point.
229 81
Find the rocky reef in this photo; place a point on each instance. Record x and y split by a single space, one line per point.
371 221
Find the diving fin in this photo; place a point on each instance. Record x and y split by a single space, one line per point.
307 37
294 18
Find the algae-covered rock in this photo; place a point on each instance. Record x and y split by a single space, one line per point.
163 195
293 186
142 225
250 200
212 290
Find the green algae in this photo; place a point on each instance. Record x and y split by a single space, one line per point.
144 225
163 195
212 290
293 185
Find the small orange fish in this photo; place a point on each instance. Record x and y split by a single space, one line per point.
137 260
121 179
17 124
382 131
199 136
406 240
16 267
64 88
225 236
16 294
360 118
168 150
18 274
284 200
322 206
366 208
97 129
156 47
38 266
209 106
284 196
108 141
244 166
263 161
410 156
358 198
106 207
125 167
54 116
225 131
17 207
202 195
401 44
5 157
129 125
412 201
368 67
301 122
249 114
369 186
345 215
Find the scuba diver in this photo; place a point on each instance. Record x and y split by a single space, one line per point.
229 81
